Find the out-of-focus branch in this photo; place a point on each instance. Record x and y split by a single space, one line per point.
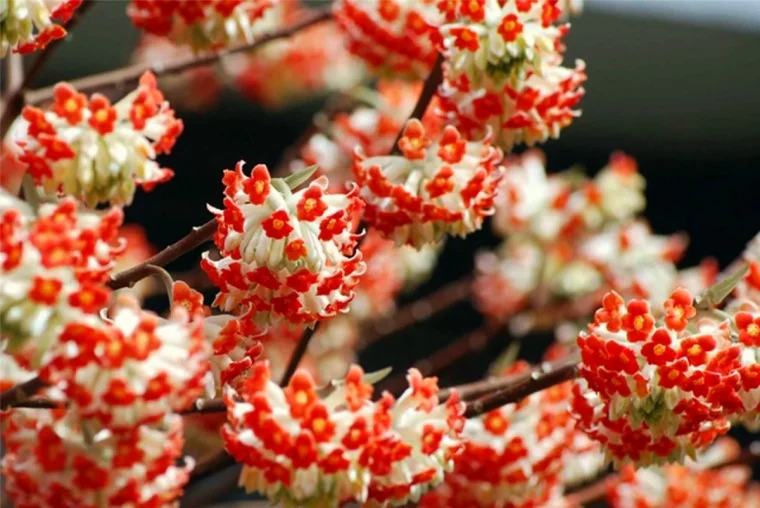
21 392
129 75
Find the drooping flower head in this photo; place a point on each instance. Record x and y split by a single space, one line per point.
513 455
302 448
56 460
208 25
395 37
132 370
98 152
285 256
27 25
655 391
52 271
434 188
504 70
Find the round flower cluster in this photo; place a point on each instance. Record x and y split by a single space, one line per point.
132 370
27 25
654 392
285 255
513 455
208 25
691 485
302 449
195 89
570 239
51 460
504 70
395 37
435 188
97 152
52 268
313 61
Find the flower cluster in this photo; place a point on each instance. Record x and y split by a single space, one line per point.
513 455
748 289
311 62
52 267
97 152
303 449
209 25
394 37
569 239
504 70
434 188
690 486
52 460
27 25
654 391
132 370
285 255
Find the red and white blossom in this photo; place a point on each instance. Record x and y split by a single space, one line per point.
98 152
28 25
12 169
53 268
285 256
56 460
748 289
656 391
747 323
132 370
299 448
313 61
395 37
434 188
692 485
513 455
209 25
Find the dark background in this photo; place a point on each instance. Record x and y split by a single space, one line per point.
680 97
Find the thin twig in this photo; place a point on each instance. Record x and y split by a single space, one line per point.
14 98
298 353
189 242
20 392
128 75
201 406
419 310
539 379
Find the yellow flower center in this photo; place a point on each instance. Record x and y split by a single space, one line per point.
695 350
638 322
301 397
277 224
71 105
753 329
659 349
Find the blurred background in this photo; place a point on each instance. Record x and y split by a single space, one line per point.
674 83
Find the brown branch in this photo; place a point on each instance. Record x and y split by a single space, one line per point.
189 242
128 75
419 310
298 353
201 406
14 98
538 379
470 343
20 392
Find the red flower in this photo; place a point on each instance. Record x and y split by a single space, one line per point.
88 475
610 313
311 206
68 103
45 291
424 390
334 462
750 376
277 226
295 250
673 374
357 391
304 451
90 298
300 394
49 450
188 298
413 142
431 439
510 28
466 39
495 423
657 350
620 358
257 186
749 328
441 183
695 349
103 115
452 146
473 9
37 122
357 434
319 423
55 148
679 310
332 225
700 383
639 323
119 393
